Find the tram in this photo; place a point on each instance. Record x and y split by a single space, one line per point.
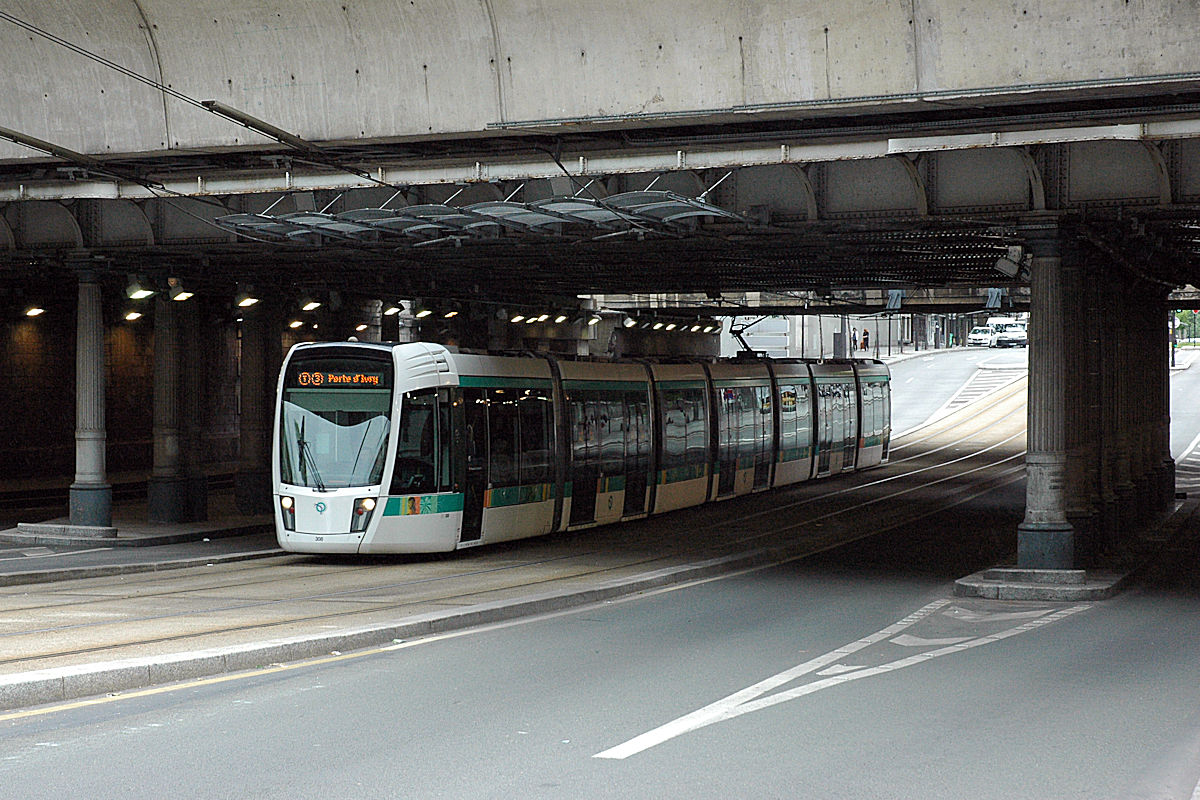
415 448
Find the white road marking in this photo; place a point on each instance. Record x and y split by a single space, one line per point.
838 669
751 699
1187 450
907 640
970 615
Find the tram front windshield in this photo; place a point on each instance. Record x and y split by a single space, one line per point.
334 418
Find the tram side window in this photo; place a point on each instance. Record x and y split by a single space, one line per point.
611 424
867 404
419 443
765 425
789 439
503 415
876 391
584 445
600 422
685 427
745 418
804 421
534 421
637 433
849 431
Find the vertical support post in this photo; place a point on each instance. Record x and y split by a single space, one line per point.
193 341
1081 334
1110 410
1161 434
259 363
1125 398
90 494
166 490
1045 540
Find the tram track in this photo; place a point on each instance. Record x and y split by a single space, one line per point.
825 496
816 545
193 607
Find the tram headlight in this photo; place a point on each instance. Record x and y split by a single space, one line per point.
363 508
287 508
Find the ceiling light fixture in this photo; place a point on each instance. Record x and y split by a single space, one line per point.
137 289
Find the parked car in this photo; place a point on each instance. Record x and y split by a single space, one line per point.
980 336
1012 336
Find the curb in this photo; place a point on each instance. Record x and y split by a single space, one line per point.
108 570
1067 585
38 533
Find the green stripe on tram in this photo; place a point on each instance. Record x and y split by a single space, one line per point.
687 472
489 382
519 495
607 386
614 483
423 504
793 454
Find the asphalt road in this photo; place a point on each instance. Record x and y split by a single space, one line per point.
922 384
1185 405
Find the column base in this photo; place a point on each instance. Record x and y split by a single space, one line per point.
197 498
1045 545
166 500
91 505
1088 538
1126 510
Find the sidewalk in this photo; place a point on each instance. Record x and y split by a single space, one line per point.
48 553
133 529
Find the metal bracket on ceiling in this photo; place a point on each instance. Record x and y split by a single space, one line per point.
704 194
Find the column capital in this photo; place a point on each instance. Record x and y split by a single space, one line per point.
1044 242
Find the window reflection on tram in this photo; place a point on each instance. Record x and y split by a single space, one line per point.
334 435
424 452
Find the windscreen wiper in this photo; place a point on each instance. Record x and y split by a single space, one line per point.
306 457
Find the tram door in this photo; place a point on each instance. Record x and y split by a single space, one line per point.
637 451
585 457
475 439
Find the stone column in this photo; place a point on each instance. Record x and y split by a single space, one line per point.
1163 446
1110 409
193 343
259 366
1146 356
90 494
1081 398
1045 540
166 491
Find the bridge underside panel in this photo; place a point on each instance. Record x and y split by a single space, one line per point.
378 71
